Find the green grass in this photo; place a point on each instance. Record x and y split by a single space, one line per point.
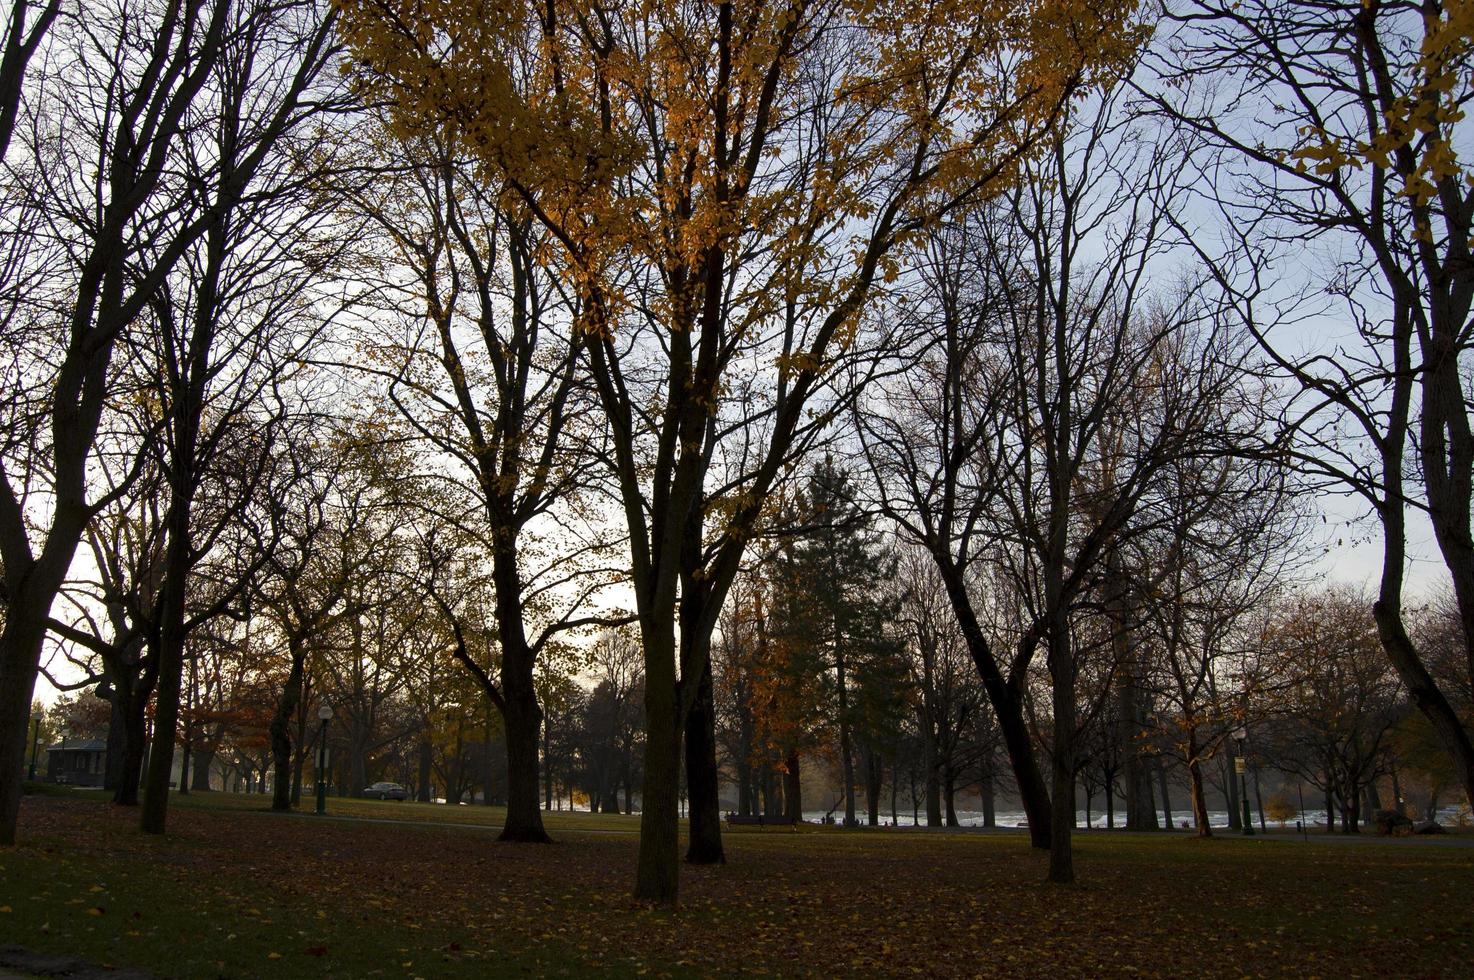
420 890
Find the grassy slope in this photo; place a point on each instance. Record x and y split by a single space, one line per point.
232 885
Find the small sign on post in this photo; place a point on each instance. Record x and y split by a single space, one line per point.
1240 766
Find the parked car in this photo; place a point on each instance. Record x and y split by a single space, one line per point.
386 791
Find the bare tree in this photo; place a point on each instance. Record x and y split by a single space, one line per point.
136 93
1331 130
500 411
1033 436
1326 698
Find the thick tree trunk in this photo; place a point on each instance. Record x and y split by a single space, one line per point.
657 874
1196 795
280 731
200 778
1446 490
523 721
1007 698
793 797
170 656
988 792
704 814
135 747
20 658
949 796
1033 795
30 594
1421 687
426 764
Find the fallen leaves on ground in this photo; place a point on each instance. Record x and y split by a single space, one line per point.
426 901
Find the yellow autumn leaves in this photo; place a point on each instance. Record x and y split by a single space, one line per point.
1411 134
658 130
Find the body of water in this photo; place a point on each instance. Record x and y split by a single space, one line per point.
1448 816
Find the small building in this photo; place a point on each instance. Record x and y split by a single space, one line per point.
77 763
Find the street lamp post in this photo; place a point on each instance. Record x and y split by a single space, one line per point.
1241 765
35 743
325 713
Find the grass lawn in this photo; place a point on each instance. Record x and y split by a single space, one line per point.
416 890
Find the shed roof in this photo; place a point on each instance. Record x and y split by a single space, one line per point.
87 745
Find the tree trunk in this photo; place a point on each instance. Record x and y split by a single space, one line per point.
846 748
895 792
874 777
281 737
657 874
1007 697
200 781
793 797
746 784
299 757
30 593
1196 795
933 776
135 746
1231 792
170 659
704 815
426 764
1387 610
357 763
1259 802
1062 684
1166 799
1135 774
523 721
988 792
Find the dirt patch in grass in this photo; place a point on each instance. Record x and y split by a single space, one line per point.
233 891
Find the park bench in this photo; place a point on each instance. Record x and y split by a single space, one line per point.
737 820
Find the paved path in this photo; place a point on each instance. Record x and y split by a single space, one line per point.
34 965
